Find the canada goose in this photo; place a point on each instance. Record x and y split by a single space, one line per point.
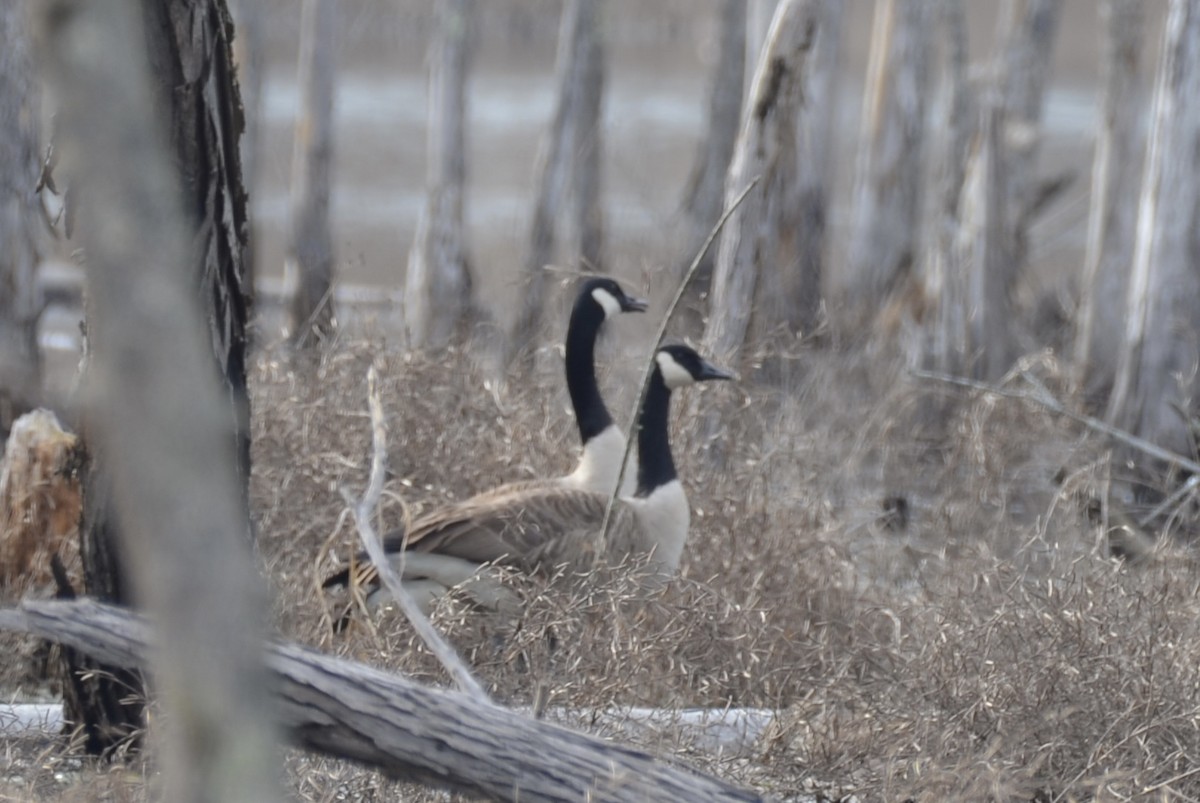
603 441
544 526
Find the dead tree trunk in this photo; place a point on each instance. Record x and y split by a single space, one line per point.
164 262
1156 378
310 252
569 148
442 738
802 231
706 186
1024 72
766 147
194 93
438 283
933 314
20 302
759 14
887 202
1112 219
982 255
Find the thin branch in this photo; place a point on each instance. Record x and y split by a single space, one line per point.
658 337
387 576
1046 400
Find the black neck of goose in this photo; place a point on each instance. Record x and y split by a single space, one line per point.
656 467
590 413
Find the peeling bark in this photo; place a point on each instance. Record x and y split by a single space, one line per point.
766 147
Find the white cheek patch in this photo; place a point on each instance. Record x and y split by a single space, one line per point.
673 374
607 302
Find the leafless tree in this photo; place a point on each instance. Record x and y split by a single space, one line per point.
438 282
159 414
194 94
310 251
1156 377
766 147
933 312
887 195
705 190
20 301
569 158
1024 69
1112 220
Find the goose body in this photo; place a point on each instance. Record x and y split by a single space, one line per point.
537 528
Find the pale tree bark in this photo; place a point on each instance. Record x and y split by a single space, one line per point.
1116 170
766 147
1156 378
887 203
759 14
20 301
979 270
437 290
310 251
705 190
803 230
568 159
933 313
157 408
1030 28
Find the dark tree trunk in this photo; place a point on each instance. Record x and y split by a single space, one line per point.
188 42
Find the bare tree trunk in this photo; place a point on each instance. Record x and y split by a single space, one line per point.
766 147
1112 219
438 282
888 185
158 409
189 55
983 255
1024 72
1156 379
706 186
934 313
20 302
802 231
567 146
310 256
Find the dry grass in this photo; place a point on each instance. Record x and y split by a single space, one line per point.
987 647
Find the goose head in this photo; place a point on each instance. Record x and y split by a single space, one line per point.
608 298
681 365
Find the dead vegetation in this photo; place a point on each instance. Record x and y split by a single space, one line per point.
973 641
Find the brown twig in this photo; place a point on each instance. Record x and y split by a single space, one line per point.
387 576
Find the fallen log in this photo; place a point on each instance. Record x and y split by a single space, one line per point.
437 737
